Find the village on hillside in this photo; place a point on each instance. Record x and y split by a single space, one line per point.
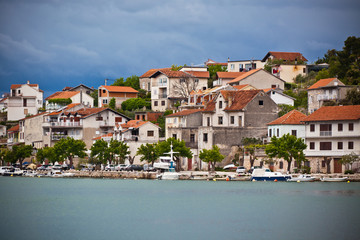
244 108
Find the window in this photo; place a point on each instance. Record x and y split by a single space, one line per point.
162 103
99 118
325 129
182 80
278 132
174 136
351 127
105 101
104 91
119 119
196 80
323 164
220 120
273 86
241 67
261 102
240 121
340 145
232 66
312 145
350 145
312 127
192 138
281 165
270 135
205 137
293 132
232 119
25 103
150 133
208 122
325 145
26 111
155 103
220 104
340 127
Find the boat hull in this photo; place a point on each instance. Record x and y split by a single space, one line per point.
334 179
270 178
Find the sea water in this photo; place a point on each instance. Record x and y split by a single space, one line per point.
46 208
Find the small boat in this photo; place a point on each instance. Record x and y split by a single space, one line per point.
56 173
30 173
264 174
301 178
334 179
164 163
169 175
13 172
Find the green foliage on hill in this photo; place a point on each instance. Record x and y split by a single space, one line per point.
135 103
132 81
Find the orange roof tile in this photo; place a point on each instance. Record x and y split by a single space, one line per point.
103 136
239 99
3 100
287 56
14 86
293 117
64 95
42 113
210 106
245 75
199 74
239 87
14 128
151 72
217 63
173 74
229 74
185 112
334 113
323 83
119 89
133 124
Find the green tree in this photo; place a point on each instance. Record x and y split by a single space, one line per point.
213 69
112 103
349 159
47 153
21 152
119 82
149 153
133 82
3 154
352 97
284 109
119 148
67 148
95 96
323 74
175 67
211 156
178 146
287 147
250 146
100 151
135 103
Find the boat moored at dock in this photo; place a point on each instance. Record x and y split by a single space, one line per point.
264 174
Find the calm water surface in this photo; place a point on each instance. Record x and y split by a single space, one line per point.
45 208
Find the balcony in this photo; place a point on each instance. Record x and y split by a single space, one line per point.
325 133
162 84
164 95
324 97
63 124
106 124
57 137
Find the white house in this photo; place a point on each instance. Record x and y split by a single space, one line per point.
279 97
24 99
74 96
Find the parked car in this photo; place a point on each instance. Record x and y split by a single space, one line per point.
121 167
134 168
241 170
110 167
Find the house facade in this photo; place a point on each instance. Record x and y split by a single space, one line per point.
31 131
279 97
74 96
13 136
332 132
222 78
324 90
258 78
24 99
244 65
119 93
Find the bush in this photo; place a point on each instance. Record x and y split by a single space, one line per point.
349 172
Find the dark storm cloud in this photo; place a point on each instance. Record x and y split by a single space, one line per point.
64 43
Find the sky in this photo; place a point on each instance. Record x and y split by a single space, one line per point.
59 43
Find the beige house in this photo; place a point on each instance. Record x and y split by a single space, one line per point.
325 90
74 96
170 87
145 79
24 99
332 132
31 131
244 65
258 78
119 93
13 136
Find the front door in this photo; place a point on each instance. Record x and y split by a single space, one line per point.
189 164
337 166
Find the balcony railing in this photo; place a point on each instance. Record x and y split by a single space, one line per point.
325 133
65 124
164 95
106 124
324 97
56 137
162 84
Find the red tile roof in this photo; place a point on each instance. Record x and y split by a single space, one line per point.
63 95
33 116
14 128
133 124
185 112
199 74
102 136
153 116
287 56
210 106
323 83
119 89
14 86
239 87
152 71
334 113
293 117
229 74
3 100
239 99
245 75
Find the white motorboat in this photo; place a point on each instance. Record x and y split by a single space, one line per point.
264 174
58 173
169 175
334 179
30 173
164 163
302 178
13 172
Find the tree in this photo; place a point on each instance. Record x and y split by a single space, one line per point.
287 147
47 153
21 152
112 103
213 69
149 152
95 96
100 151
211 156
119 82
352 97
185 85
250 146
323 74
119 148
284 109
67 148
349 159
178 146
135 103
132 81
175 67
4 154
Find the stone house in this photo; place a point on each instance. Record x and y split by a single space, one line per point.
332 132
324 90
120 93
258 78
293 64
170 87
234 115
74 96
84 123
24 99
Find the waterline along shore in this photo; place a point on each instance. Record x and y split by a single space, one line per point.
186 175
